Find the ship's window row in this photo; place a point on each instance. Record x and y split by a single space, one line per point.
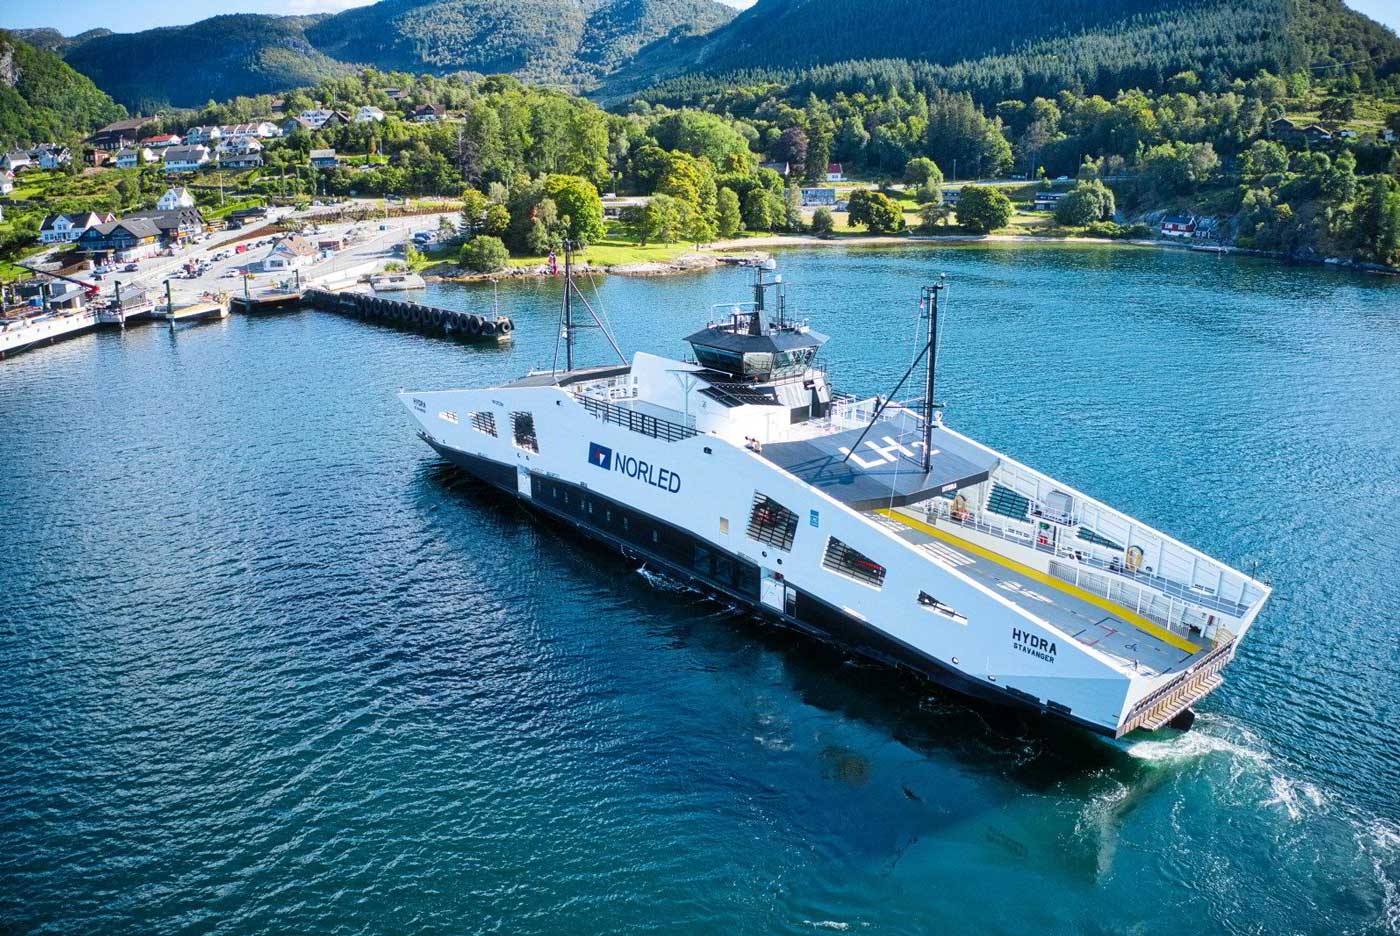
525 438
633 527
933 604
772 523
448 416
848 561
484 422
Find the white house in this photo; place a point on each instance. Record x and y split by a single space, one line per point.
367 113
185 158
131 156
316 117
175 198
14 162
7 181
290 253
835 173
53 157
243 153
162 140
66 228
196 135
261 129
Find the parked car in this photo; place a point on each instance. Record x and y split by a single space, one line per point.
132 267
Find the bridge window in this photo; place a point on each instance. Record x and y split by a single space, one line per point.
772 523
933 604
485 422
525 437
842 558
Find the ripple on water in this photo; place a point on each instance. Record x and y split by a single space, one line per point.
266 666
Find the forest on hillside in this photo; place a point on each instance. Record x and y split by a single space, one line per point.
42 98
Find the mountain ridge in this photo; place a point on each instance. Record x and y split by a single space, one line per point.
571 43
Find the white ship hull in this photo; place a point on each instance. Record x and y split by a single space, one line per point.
21 335
860 522
685 503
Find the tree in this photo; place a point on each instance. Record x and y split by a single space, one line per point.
822 222
922 171
579 206
1263 158
792 146
930 216
474 205
792 209
484 254
762 209
982 208
1088 202
730 219
497 220
664 219
1177 168
876 210
701 134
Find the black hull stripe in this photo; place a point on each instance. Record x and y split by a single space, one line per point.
813 616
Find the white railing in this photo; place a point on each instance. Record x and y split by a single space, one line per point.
1145 600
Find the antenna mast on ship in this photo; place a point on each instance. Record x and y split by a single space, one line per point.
928 308
928 300
567 328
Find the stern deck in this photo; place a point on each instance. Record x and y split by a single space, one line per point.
1095 623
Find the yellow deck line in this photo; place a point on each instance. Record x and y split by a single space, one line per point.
1117 610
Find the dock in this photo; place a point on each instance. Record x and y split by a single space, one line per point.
213 308
414 316
23 329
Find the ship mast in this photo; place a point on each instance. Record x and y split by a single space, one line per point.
568 305
928 305
567 326
929 300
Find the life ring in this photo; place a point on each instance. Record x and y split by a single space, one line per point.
1132 559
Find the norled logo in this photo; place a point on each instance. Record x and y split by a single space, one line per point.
600 456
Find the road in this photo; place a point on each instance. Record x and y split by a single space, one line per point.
366 241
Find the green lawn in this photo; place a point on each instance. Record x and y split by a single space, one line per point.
616 251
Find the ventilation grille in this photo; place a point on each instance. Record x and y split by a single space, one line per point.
772 523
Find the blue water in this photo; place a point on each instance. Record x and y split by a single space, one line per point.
267 667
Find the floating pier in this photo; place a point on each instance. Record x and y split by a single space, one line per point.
412 315
200 311
268 302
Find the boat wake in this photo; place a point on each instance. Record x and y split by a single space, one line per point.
1307 816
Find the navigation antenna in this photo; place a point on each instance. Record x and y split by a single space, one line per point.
567 328
928 308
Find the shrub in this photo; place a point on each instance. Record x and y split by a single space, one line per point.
822 222
485 254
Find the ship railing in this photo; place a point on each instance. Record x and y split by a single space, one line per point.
635 421
1208 665
1146 598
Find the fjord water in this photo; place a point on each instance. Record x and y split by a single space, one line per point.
267 666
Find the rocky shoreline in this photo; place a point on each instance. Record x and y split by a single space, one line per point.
732 252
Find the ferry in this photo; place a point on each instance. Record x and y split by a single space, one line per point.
868 523
391 282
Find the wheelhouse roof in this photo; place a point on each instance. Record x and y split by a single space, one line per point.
725 338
